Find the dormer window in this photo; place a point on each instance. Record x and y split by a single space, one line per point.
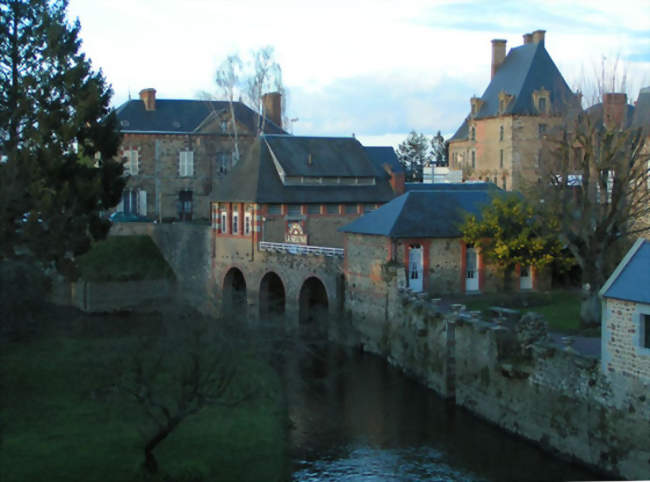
504 101
541 100
472 133
476 104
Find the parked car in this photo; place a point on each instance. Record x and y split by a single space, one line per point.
121 217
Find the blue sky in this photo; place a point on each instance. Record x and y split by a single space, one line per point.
377 68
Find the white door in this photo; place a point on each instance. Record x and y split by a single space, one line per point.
415 269
525 278
471 269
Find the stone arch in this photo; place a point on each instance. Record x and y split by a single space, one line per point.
234 292
313 301
272 296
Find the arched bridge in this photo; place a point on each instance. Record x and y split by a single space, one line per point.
303 284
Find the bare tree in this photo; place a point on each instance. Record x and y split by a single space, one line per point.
594 179
228 79
266 76
176 375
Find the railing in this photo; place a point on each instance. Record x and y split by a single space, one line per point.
300 249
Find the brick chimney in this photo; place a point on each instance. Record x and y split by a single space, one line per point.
538 36
498 54
148 96
528 38
272 107
614 109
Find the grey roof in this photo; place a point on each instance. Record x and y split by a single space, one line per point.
422 214
256 179
631 279
595 112
183 116
641 116
382 155
451 186
526 68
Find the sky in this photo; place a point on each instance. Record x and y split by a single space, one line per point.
376 69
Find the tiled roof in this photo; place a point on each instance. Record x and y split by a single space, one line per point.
381 155
526 68
256 179
435 213
631 279
182 116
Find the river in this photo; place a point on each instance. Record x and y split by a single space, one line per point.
354 417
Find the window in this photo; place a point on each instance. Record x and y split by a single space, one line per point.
501 133
313 208
541 130
501 158
368 208
332 209
224 222
349 209
538 160
473 133
275 209
185 205
541 104
186 163
473 159
235 222
645 330
293 210
223 163
132 162
247 223
504 182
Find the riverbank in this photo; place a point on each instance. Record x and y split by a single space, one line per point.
64 418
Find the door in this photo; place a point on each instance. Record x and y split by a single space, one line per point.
415 268
525 278
471 269
185 205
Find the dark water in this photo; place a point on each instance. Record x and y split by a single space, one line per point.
356 418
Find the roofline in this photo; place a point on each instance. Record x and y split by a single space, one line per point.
621 266
178 133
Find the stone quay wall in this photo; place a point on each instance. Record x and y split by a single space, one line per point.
512 375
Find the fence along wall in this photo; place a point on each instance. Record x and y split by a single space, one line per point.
516 378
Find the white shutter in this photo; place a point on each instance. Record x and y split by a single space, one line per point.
190 163
180 163
142 203
120 206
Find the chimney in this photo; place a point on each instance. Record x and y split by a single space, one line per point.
528 38
538 36
498 54
272 107
148 96
614 109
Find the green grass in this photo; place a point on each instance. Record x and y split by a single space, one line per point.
124 258
560 308
57 424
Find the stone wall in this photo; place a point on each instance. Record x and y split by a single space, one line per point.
622 332
513 376
187 249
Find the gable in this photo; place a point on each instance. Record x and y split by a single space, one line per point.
631 279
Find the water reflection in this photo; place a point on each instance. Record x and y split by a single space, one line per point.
356 418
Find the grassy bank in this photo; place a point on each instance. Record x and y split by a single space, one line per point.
124 258
560 308
62 421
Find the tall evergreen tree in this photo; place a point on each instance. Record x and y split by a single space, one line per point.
440 150
413 154
58 137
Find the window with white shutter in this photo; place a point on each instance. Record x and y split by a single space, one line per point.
186 163
142 203
132 163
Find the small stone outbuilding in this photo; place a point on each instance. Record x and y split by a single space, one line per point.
626 316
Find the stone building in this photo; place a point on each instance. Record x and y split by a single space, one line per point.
626 316
275 220
418 233
176 151
501 138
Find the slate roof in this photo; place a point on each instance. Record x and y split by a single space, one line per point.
450 186
381 155
434 213
256 179
631 279
177 116
526 68
641 116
